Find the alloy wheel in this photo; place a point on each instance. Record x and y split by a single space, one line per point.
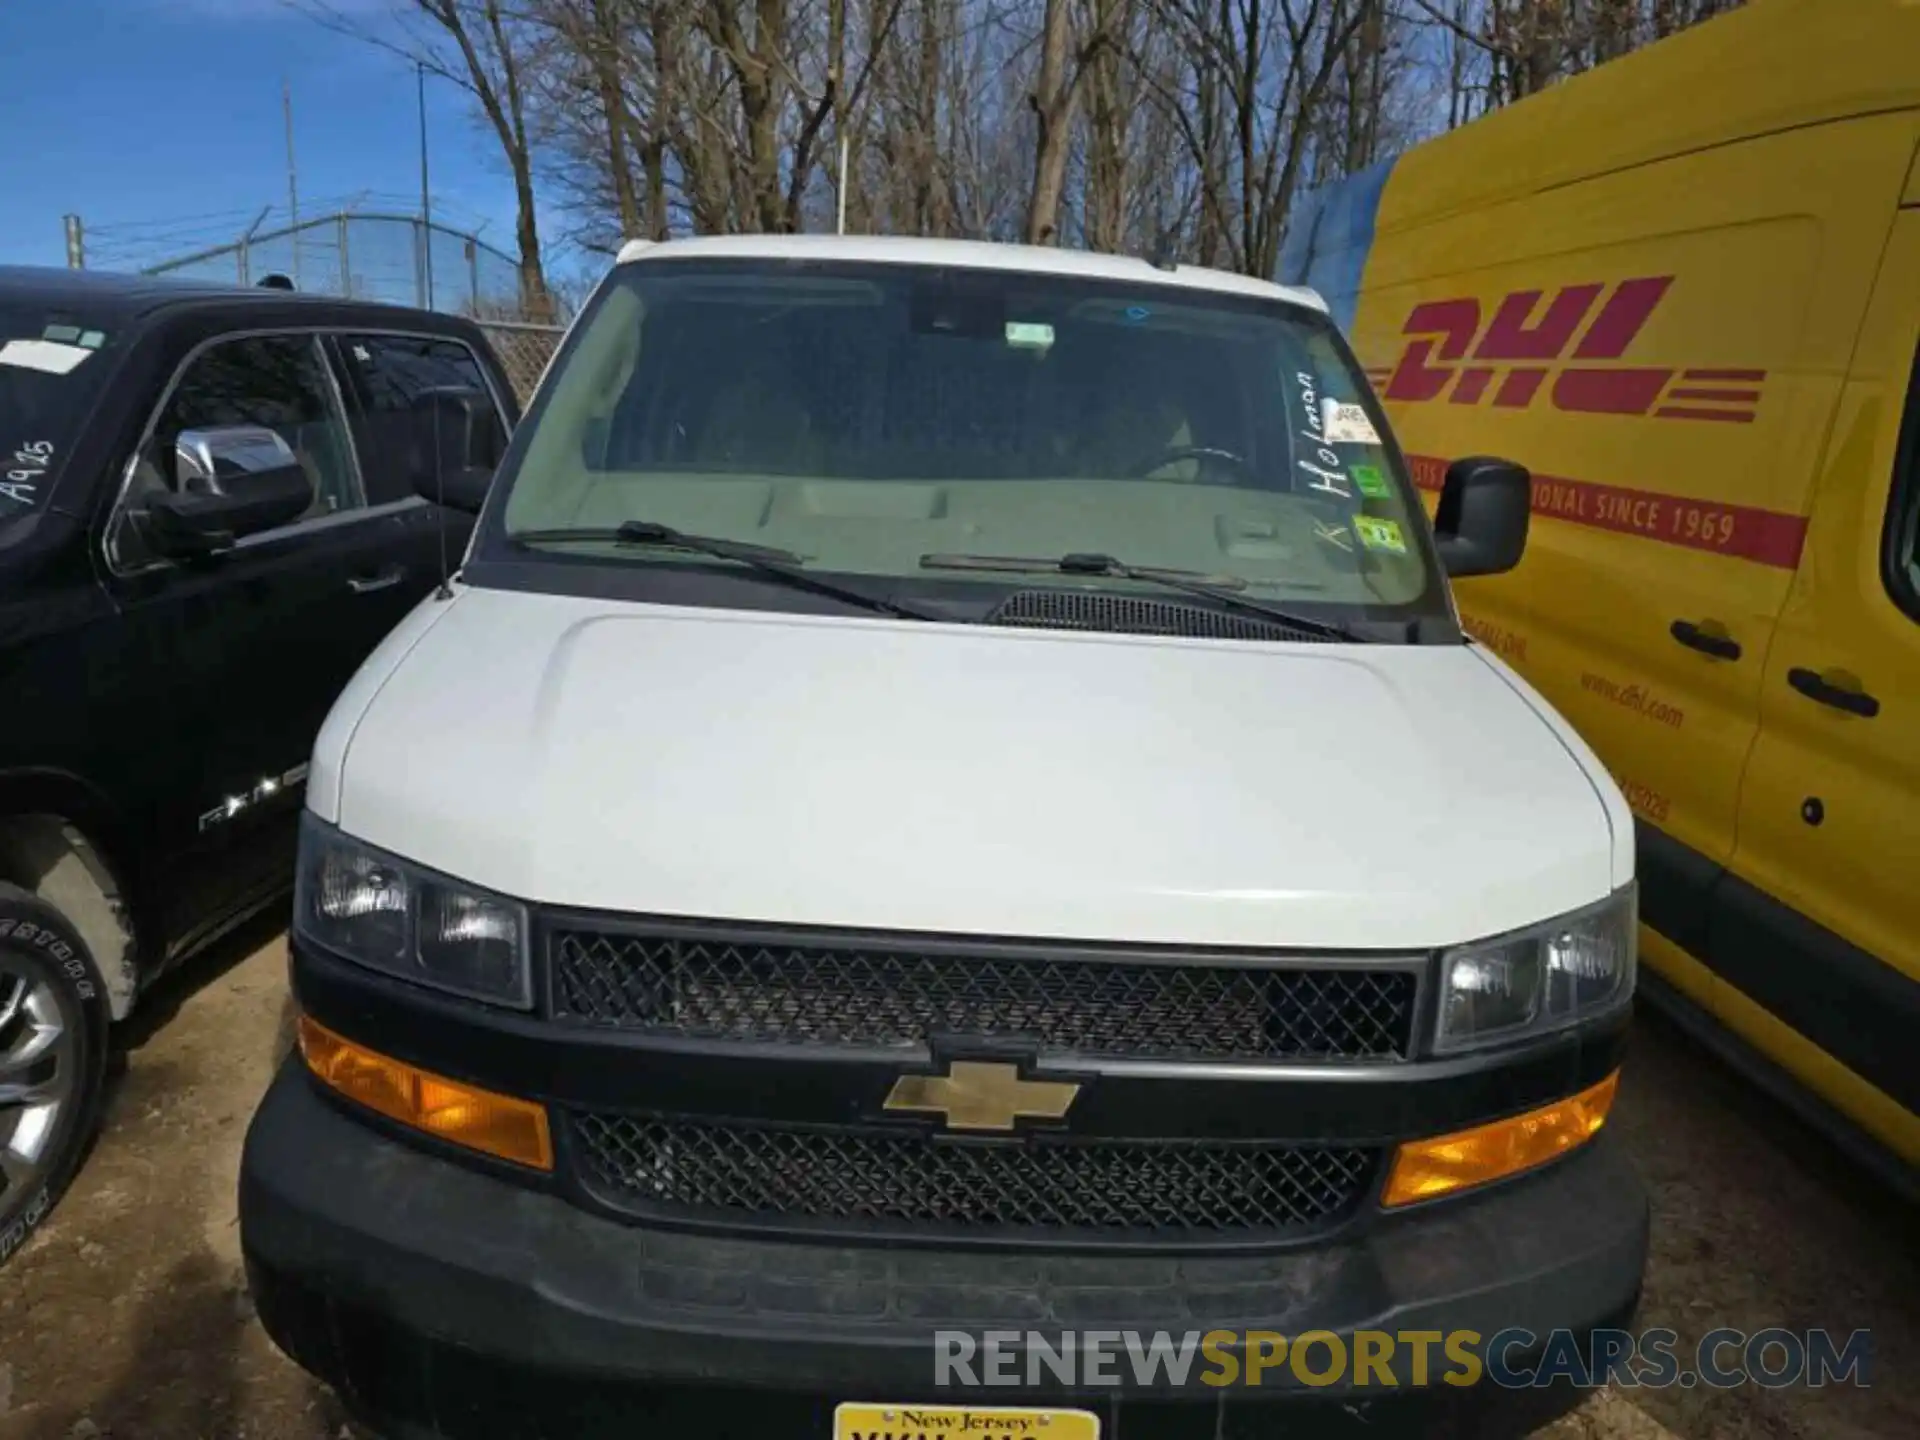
39 1069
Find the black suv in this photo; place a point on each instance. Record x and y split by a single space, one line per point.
212 508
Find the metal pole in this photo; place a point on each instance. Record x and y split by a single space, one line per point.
76 243
840 201
426 203
246 240
346 272
293 189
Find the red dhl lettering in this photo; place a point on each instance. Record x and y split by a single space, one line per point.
1630 512
1455 349
1560 497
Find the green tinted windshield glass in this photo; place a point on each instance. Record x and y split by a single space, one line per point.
863 416
51 371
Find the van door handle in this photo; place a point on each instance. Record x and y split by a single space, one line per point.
1721 647
380 580
1815 686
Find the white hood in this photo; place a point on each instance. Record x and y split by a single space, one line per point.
896 775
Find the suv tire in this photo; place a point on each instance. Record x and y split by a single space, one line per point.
53 1051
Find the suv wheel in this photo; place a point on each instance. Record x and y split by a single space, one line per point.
53 1032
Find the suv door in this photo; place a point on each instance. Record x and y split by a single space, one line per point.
384 376
229 665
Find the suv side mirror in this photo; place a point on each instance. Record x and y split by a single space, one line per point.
1480 525
463 490
234 480
457 442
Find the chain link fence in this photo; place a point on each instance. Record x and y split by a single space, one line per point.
400 259
524 350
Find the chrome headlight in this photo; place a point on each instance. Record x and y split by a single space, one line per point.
402 920
1543 978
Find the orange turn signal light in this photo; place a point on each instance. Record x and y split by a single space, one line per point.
1427 1169
496 1125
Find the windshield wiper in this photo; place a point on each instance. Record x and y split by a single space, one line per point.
1221 588
781 565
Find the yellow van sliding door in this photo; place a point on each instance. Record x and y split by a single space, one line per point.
1817 927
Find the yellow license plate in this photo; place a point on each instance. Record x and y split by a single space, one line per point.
955 1422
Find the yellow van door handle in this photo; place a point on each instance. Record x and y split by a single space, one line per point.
1709 638
1849 697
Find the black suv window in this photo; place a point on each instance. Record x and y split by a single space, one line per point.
279 381
386 375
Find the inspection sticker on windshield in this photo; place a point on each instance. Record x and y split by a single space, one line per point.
55 357
1030 334
1368 480
1347 425
1380 534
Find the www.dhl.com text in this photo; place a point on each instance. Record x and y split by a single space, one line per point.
1513 1358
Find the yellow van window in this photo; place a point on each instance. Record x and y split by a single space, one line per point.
1903 515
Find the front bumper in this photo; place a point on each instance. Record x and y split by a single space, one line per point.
440 1301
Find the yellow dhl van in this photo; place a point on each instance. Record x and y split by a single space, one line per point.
1684 290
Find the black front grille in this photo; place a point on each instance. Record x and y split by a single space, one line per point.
1087 1005
1136 615
1125 1190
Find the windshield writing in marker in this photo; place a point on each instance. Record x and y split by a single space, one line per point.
26 468
1328 475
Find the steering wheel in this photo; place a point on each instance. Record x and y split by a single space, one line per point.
1202 453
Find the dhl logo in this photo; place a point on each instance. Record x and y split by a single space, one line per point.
1575 339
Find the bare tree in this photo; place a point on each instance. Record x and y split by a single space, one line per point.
1250 108
481 48
752 42
1465 58
1056 92
1527 45
1172 127
587 121
1110 97
838 96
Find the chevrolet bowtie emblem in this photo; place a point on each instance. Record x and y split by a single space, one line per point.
977 1096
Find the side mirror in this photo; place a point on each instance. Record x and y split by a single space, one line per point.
233 480
463 490
457 442
1480 525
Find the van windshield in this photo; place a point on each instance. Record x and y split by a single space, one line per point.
866 419
51 372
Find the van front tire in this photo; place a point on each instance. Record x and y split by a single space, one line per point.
53 1048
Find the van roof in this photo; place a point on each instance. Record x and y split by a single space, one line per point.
965 254
1766 66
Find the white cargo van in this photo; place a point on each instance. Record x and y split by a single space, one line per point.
949 794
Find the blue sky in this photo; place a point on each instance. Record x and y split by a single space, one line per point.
159 122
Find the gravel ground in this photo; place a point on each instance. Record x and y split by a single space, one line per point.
127 1316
